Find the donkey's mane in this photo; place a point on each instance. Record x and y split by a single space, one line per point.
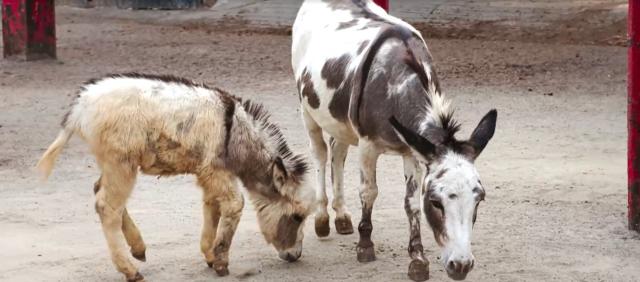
259 113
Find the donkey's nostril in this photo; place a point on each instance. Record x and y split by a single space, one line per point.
451 265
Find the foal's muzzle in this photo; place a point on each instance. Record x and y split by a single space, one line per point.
290 256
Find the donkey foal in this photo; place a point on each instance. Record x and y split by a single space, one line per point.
164 125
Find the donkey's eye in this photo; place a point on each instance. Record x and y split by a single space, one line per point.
297 218
437 205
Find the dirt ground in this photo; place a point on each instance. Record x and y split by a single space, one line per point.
555 171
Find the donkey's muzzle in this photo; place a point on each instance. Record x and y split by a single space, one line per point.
288 256
458 269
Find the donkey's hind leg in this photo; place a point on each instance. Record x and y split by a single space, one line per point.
211 216
130 230
220 188
319 150
133 237
116 184
368 193
338 156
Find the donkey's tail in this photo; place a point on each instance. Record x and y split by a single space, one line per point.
46 163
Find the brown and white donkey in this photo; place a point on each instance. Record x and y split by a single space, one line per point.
164 125
367 79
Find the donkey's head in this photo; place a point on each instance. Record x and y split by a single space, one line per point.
451 188
283 211
279 190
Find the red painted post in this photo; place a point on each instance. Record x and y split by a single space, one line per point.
633 115
383 3
28 29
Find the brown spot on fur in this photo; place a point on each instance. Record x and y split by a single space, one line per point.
308 91
165 156
339 105
334 70
288 230
435 218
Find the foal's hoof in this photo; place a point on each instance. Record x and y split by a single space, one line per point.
140 256
367 254
419 270
137 278
343 225
210 264
322 226
221 270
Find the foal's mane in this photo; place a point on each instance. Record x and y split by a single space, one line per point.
259 113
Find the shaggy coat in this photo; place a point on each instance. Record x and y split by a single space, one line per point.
164 125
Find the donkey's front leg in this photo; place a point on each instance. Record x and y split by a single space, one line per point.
220 187
319 150
419 267
211 217
338 156
368 192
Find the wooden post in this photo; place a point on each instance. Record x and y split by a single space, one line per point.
633 115
383 3
28 29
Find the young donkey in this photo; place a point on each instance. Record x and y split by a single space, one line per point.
367 79
165 125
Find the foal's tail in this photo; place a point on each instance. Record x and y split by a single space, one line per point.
45 165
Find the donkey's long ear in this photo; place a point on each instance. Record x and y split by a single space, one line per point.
483 132
279 173
420 145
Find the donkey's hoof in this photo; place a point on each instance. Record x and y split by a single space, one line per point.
343 225
137 278
322 226
367 254
419 270
140 256
221 270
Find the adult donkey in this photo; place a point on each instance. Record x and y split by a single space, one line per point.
367 79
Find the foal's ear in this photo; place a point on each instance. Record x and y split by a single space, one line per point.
423 149
279 173
483 132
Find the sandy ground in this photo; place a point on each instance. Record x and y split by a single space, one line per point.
554 172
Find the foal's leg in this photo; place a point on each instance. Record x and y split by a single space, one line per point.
130 230
211 215
220 187
133 237
319 150
368 193
116 183
419 267
338 155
